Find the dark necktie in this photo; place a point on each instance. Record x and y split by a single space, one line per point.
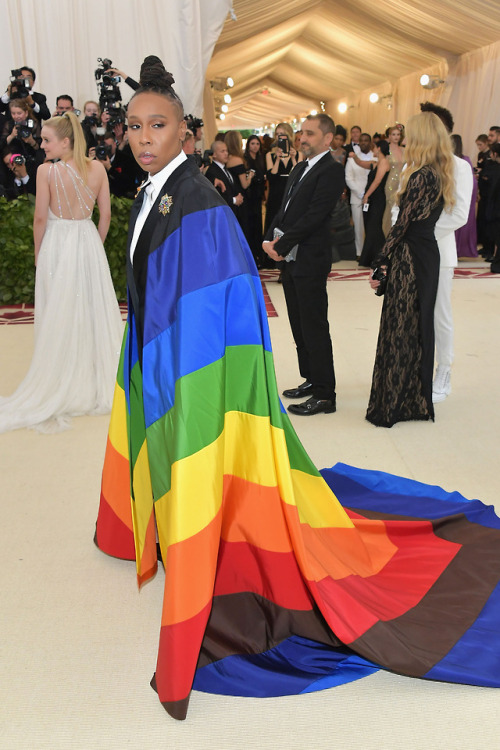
229 175
299 169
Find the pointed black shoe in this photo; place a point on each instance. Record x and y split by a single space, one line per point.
313 406
301 391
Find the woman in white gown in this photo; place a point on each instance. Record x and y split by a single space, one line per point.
78 326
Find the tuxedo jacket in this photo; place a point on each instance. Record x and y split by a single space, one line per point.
307 217
125 174
232 189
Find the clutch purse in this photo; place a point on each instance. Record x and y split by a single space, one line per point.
292 255
380 274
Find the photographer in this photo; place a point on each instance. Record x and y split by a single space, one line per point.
21 87
123 172
22 133
91 121
64 103
15 178
195 125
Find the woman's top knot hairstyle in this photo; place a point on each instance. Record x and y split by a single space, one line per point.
155 78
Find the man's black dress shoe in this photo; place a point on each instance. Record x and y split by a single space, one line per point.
302 390
313 406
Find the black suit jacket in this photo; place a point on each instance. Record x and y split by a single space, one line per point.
232 189
307 218
125 174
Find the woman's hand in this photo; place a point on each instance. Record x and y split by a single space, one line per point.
117 72
12 135
375 283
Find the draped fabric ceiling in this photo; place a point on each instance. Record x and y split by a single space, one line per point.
306 51
300 51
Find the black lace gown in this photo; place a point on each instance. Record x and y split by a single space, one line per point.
402 375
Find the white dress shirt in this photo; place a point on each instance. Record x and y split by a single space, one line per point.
151 194
35 106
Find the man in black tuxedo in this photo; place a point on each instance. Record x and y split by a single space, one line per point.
222 178
313 189
37 102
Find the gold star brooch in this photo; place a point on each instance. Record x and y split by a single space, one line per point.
166 204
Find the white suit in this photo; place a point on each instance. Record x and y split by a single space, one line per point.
356 178
444 233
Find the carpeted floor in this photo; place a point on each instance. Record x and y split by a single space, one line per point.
79 642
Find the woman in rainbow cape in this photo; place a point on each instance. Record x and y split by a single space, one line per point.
278 579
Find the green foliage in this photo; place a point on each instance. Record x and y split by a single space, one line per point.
17 269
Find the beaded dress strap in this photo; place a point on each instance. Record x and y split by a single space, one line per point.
82 190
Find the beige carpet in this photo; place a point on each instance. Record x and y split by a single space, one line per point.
78 642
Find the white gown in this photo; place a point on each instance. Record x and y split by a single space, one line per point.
78 326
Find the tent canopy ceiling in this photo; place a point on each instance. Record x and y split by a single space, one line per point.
305 51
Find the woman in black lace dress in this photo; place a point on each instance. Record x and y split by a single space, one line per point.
402 376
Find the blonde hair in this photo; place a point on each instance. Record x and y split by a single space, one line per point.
288 132
234 143
400 130
429 143
67 126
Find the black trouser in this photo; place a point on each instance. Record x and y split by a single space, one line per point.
307 305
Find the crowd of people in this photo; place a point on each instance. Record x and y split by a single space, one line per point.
199 448
369 173
258 173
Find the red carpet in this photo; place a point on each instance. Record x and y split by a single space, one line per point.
19 314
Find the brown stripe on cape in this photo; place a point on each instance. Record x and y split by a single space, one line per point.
414 642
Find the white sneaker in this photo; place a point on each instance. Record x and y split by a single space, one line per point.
441 387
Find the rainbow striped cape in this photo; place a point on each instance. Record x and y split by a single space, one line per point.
278 580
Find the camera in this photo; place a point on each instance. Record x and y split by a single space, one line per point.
193 123
380 274
25 128
17 160
105 64
19 86
90 121
110 97
283 143
203 160
116 116
103 152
